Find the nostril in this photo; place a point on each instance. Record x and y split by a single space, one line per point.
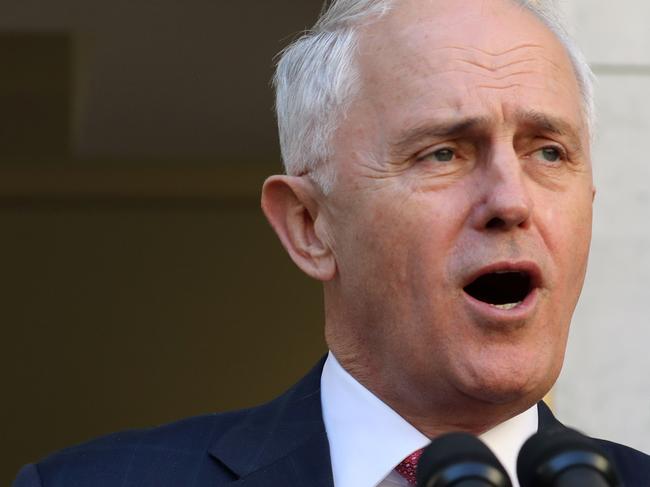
495 223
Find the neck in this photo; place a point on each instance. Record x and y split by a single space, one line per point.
436 409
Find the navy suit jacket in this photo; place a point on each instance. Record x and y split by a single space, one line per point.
282 443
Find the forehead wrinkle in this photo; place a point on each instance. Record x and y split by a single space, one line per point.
493 53
492 77
499 67
407 55
500 87
494 63
504 76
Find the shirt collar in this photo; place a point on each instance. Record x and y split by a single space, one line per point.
368 439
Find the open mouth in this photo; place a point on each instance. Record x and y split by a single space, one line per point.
503 289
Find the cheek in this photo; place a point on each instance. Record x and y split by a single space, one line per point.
398 243
369 248
566 231
577 230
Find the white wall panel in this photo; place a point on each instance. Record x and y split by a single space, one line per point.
611 32
605 386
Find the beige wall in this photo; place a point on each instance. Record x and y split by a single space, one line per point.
605 385
130 312
139 281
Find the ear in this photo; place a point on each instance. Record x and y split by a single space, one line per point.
291 206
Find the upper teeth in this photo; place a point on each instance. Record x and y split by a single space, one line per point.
507 305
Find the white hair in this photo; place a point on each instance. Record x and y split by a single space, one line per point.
317 77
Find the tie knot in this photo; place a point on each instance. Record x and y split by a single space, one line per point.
409 466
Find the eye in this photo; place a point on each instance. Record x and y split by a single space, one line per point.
441 155
550 154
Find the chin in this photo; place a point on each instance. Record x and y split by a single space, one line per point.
505 394
510 385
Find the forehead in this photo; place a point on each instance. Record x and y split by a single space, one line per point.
469 57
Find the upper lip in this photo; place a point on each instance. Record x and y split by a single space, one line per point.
530 268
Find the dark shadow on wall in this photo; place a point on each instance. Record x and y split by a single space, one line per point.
140 282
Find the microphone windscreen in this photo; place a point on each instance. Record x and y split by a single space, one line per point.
549 452
454 449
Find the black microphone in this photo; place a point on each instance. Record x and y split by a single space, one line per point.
562 457
460 460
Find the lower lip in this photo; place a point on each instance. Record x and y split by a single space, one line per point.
520 312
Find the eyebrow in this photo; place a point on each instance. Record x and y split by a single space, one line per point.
551 124
450 128
531 119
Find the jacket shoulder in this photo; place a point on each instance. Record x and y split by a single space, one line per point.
210 450
633 465
168 455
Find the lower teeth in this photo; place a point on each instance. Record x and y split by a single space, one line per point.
507 305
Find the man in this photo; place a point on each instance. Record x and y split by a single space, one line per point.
439 184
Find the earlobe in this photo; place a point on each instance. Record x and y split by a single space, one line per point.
292 208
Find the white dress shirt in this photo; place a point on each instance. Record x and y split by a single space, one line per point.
368 439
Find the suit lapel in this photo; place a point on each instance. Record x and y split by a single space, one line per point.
301 467
281 443
546 420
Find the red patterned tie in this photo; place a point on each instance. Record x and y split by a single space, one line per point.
407 468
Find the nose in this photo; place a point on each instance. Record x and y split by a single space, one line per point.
504 201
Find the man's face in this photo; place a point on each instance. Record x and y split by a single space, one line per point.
461 215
